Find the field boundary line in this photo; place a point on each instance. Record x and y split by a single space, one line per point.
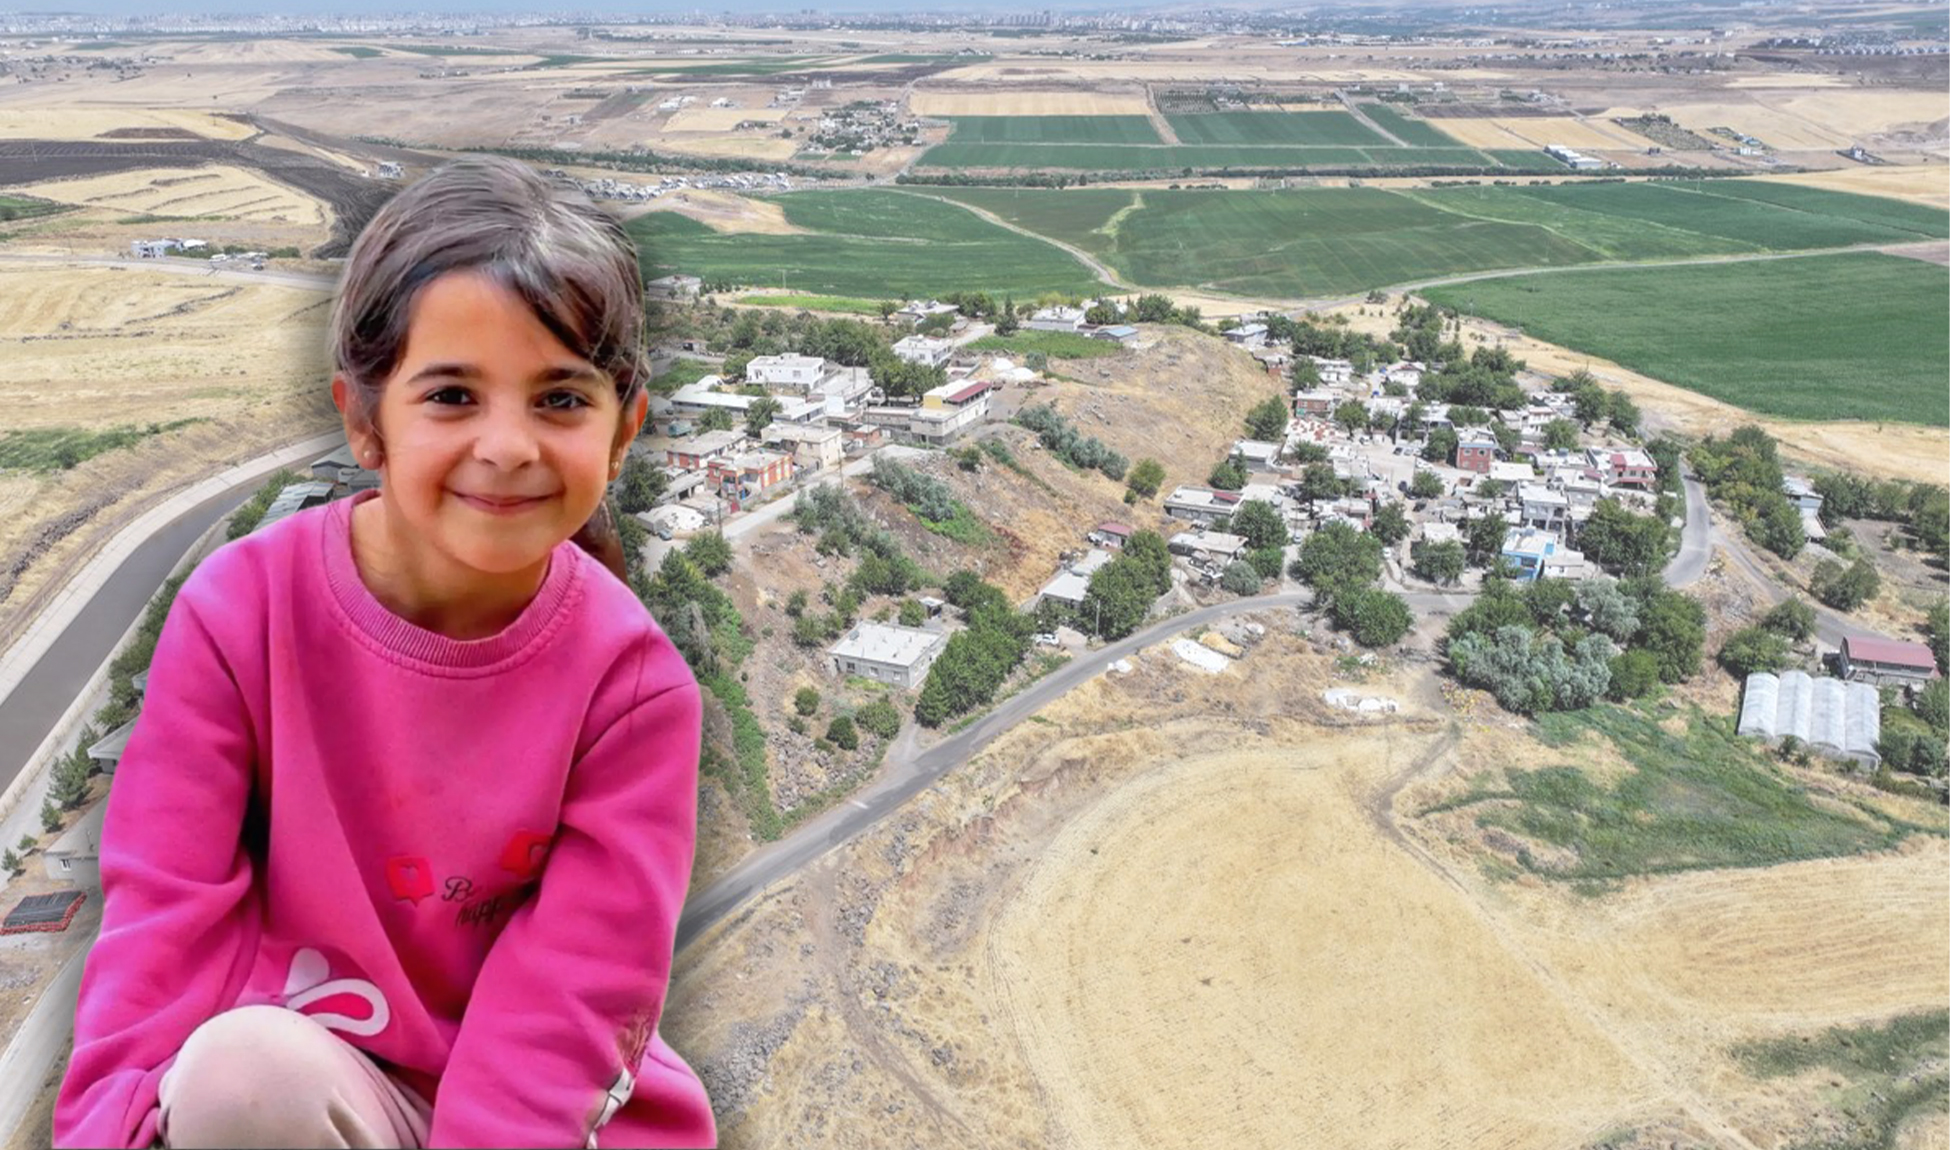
1412 193
1101 271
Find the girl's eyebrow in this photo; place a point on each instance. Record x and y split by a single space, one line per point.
555 373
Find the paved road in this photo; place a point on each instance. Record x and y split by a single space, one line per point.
1695 540
40 1040
38 701
906 776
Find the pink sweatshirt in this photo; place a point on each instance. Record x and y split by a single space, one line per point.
466 858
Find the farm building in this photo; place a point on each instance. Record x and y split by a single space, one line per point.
674 287
1886 662
887 653
1248 335
1122 334
916 310
1059 317
77 855
1833 717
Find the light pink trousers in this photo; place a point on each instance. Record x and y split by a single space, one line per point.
267 1076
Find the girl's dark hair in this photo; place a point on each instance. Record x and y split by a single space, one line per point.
543 239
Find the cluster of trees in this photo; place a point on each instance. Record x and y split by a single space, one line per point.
923 494
1328 340
1122 591
1485 379
844 529
1768 645
879 718
977 659
1913 738
1553 645
640 485
1844 588
1744 472
746 333
1264 530
1591 403
1267 420
1062 440
1342 564
1624 543
1923 509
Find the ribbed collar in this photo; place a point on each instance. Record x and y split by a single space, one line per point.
412 643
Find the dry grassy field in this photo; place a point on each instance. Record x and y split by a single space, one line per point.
98 348
1539 131
74 120
1181 908
216 190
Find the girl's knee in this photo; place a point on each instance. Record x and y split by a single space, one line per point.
253 1076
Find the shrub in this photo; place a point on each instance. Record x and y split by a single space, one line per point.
1791 619
1753 649
1529 672
710 552
1375 618
1145 478
50 816
842 735
1633 675
1437 562
1842 588
1240 578
879 718
1425 485
805 701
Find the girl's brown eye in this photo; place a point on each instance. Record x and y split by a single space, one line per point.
574 399
449 392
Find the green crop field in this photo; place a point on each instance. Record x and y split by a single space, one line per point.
1414 133
1080 217
1610 237
1138 157
1293 128
1053 130
1852 336
863 244
1718 209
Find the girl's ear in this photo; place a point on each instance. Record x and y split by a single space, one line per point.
359 431
633 417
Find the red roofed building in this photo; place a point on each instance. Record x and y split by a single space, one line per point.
1111 535
1886 661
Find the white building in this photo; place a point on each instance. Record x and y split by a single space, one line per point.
813 446
1829 715
924 350
1333 372
1201 504
1059 317
797 372
887 653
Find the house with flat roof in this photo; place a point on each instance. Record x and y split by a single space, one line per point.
1476 455
1333 372
1247 335
1122 334
697 452
813 446
1212 546
1318 402
293 499
693 400
1627 468
1057 317
748 473
793 372
924 350
1536 554
1072 581
1257 454
674 287
1886 662
1111 535
77 855
1201 504
887 653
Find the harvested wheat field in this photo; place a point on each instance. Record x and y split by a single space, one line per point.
1235 926
719 119
1016 102
725 211
214 190
87 123
98 349
743 146
1538 132
1921 185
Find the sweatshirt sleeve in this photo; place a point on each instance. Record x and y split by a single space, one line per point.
177 928
572 989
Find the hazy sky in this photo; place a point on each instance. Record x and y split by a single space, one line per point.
366 7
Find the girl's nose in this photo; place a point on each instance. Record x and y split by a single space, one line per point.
506 440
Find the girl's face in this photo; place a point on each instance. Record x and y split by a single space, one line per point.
496 441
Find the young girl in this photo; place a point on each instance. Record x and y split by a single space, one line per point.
396 853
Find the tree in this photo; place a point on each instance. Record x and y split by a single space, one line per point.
1673 630
1622 413
1375 618
1633 675
1352 416
1305 373
1390 524
1229 475
716 419
1590 404
50 816
1338 556
1260 524
1529 672
1752 649
10 862
640 485
69 784
762 412
841 734
1561 435
1483 539
912 613
1932 705
1317 482
1621 542
1267 561
1240 578
1441 446
805 701
1425 485
1607 609
1267 420
1441 563
1145 477
1006 322
1844 589
1778 528
710 552
1791 619
1937 625
1101 313
879 718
